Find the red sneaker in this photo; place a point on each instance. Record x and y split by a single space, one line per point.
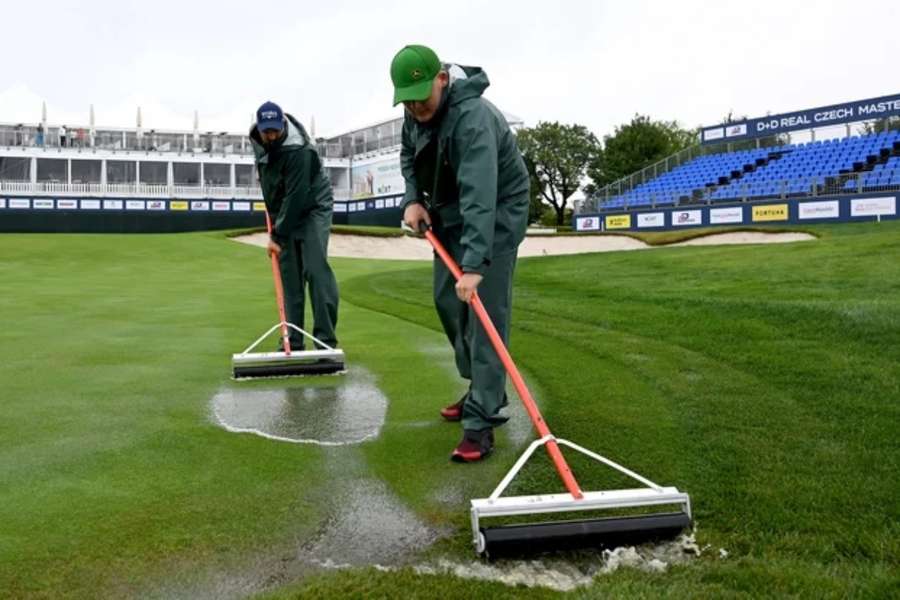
453 412
474 446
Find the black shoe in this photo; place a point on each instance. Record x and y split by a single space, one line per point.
474 446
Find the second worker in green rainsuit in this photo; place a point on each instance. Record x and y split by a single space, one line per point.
466 178
299 202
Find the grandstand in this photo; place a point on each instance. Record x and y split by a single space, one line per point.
754 161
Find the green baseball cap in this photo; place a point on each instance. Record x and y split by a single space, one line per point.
413 70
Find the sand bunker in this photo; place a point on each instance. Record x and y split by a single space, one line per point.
411 248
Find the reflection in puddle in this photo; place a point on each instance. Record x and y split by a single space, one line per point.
349 413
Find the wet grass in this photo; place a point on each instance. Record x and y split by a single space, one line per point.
762 380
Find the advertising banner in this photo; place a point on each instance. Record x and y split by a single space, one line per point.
618 222
43 204
242 206
770 212
113 205
836 114
732 214
90 205
221 206
259 207
199 205
178 205
656 219
378 177
67 204
687 217
156 205
135 205
587 224
19 203
2 202
819 210
873 207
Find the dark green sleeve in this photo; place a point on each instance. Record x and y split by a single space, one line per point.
474 152
298 174
407 164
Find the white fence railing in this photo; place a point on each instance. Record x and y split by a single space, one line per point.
130 190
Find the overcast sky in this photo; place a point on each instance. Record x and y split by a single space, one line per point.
594 63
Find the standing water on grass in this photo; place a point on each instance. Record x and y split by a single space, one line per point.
350 411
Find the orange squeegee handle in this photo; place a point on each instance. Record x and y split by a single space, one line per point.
565 473
279 294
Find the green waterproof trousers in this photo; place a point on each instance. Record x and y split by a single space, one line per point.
304 259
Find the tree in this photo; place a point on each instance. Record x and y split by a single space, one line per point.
557 157
636 145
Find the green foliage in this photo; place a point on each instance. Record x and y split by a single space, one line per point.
636 145
558 156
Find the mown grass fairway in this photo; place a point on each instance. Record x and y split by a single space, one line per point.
763 380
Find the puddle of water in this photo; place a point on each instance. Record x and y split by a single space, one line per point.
349 413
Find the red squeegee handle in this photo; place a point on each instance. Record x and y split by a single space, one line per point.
279 294
565 473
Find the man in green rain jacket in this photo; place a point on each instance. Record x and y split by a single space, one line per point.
299 202
466 178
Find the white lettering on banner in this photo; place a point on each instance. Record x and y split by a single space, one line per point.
340 207
67 204
112 205
2 202
718 216
199 205
90 205
135 205
832 115
241 206
873 207
156 205
379 204
19 203
656 219
687 217
879 107
716 133
42 204
587 224
735 130
221 206
819 210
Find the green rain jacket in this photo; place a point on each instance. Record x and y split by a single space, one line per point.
464 166
293 181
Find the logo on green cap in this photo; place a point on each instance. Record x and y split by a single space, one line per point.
412 71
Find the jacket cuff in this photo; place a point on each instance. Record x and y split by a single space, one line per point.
471 264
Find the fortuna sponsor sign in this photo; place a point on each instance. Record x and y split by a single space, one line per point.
656 219
41 204
90 205
199 205
687 217
587 224
221 206
19 203
178 205
113 205
770 212
156 205
259 207
67 204
135 205
718 216
873 207
819 210
241 206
